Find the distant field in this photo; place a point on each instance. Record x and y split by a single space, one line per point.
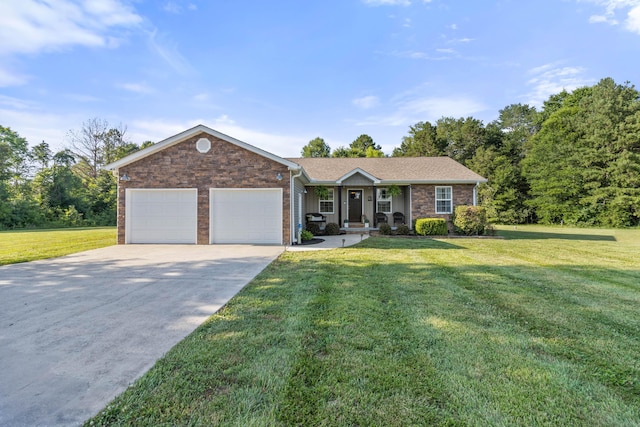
539 328
22 246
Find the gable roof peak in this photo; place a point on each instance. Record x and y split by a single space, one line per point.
189 133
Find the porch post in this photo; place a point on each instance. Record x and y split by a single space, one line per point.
410 206
375 206
340 206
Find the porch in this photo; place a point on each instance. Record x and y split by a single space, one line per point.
361 207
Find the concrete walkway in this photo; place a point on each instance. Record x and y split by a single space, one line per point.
75 331
331 242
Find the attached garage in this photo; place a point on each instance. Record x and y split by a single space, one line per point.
161 215
248 215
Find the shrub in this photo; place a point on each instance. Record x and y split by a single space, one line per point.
384 228
469 220
313 228
489 230
402 230
431 227
306 235
332 229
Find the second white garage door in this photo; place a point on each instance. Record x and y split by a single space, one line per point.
246 215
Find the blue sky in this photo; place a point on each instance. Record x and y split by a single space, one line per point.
276 74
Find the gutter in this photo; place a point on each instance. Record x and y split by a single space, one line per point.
475 193
298 226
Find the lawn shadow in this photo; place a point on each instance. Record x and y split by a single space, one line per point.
412 242
537 235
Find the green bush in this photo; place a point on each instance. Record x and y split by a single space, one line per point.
431 227
306 235
470 220
332 229
313 228
384 228
402 230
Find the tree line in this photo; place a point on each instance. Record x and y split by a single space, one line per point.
40 188
575 161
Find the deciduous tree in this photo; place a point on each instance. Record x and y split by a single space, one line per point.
316 148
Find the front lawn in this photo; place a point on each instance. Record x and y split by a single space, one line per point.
541 328
30 245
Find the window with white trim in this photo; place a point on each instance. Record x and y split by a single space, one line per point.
383 201
326 204
444 200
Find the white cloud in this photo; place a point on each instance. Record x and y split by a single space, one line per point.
201 97
280 145
595 19
172 7
169 52
410 109
30 26
633 20
613 9
8 78
551 79
176 8
444 54
461 40
139 88
35 125
366 102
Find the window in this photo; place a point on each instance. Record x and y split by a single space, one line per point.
326 204
383 201
444 200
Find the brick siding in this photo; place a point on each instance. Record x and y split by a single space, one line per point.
423 199
225 166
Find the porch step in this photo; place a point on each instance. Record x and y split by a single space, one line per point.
356 228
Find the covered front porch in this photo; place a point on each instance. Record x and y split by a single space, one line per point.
357 206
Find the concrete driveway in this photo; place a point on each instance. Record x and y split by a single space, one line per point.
76 331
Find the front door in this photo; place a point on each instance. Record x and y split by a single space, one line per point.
355 205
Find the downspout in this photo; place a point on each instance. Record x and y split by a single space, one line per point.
475 194
291 209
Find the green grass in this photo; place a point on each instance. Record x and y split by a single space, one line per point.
22 246
539 328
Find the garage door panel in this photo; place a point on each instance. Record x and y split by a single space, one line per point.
246 216
161 216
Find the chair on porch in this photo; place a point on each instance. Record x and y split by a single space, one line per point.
398 218
381 218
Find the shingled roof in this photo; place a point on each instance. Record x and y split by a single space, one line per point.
390 169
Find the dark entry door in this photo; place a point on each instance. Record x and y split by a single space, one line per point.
355 205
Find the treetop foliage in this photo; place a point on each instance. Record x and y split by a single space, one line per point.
574 161
40 188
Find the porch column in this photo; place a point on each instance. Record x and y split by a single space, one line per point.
375 206
340 206
410 206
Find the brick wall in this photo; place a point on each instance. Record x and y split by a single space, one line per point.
423 200
225 166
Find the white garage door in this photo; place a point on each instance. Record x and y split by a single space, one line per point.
161 216
246 216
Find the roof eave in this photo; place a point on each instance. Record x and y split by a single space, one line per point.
404 182
182 136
